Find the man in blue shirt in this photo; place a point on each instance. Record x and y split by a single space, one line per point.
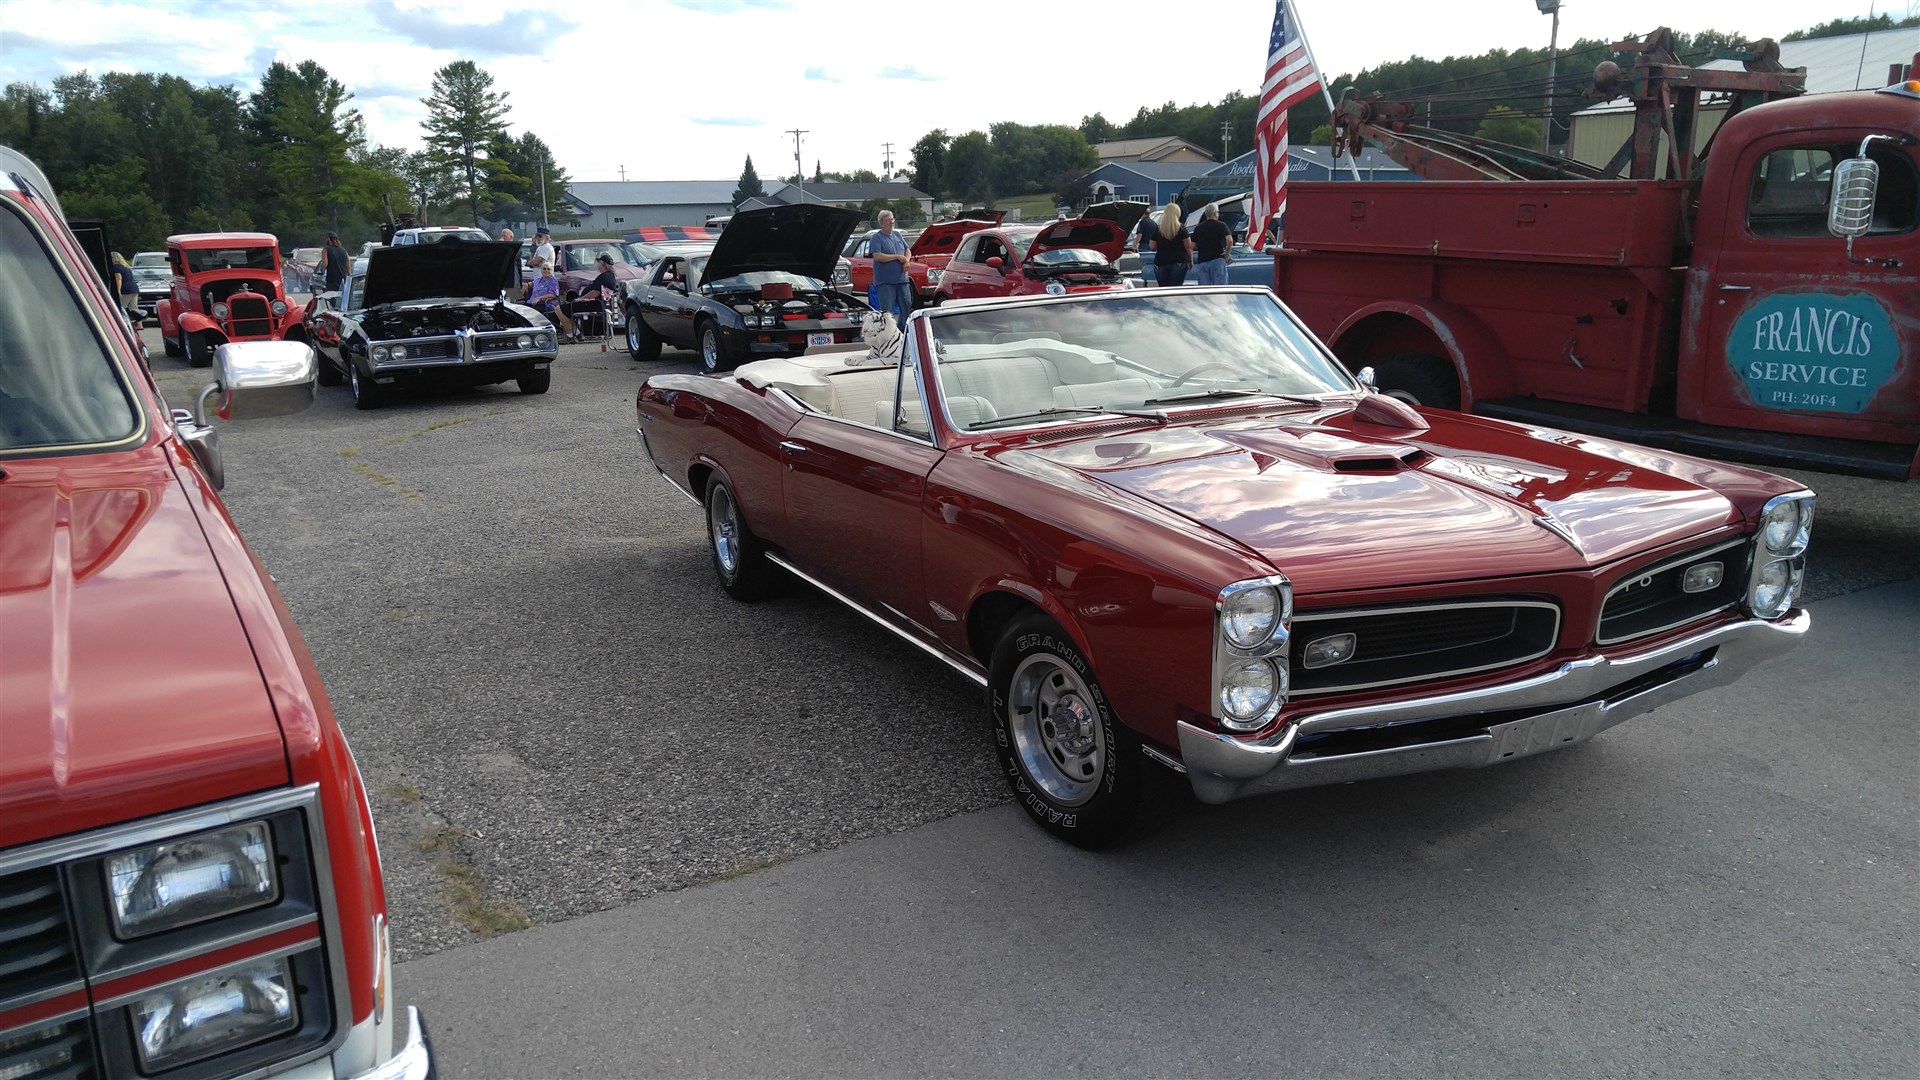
892 289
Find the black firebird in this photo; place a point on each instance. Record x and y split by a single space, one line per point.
760 291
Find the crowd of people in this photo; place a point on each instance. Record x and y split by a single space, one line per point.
1164 240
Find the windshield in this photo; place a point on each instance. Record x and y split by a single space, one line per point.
1124 352
200 260
59 387
150 258
753 279
1069 257
583 256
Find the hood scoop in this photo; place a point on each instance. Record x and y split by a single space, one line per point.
1318 448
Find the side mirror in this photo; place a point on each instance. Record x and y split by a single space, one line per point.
1856 185
260 378
996 263
1365 375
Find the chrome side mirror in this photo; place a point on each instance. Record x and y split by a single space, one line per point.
1856 185
260 378
1365 375
204 443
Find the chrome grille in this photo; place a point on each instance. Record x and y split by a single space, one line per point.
36 944
431 349
1425 642
249 317
61 1050
500 344
1651 600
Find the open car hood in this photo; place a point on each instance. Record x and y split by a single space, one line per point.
1338 503
451 268
804 239
943 237
1102 236
1124 214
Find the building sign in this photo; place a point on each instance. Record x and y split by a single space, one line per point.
1828 352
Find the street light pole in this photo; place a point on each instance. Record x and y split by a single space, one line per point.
1550 7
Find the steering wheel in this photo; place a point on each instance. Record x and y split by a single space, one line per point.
1191 372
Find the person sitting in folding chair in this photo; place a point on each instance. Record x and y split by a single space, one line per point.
595 301
545 298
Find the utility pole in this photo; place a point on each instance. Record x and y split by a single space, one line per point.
1226 139
1553 60
544 159
799 173
623 173
886 149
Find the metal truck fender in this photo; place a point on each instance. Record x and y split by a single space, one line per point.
193 322
1388 327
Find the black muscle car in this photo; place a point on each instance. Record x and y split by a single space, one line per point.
433 314
759 291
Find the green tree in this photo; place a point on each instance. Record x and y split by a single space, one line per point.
1509 126
1859 24
465 116
307 141
930 163
968 174
750 187
115 194
1096 129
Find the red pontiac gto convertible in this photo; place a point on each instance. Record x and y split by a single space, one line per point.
1169 527
189 885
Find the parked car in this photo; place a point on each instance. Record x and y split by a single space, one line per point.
434 234
935 244
645 253
307 264
224 287
669 234
853 271
1168 526
1024 260
761 290
150 273
189 884
578 263
433 314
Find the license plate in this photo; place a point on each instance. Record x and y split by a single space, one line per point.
819 339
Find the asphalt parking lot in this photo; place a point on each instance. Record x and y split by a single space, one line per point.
558 713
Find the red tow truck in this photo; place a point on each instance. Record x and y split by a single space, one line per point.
1761 306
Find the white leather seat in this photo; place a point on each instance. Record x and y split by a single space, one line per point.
1120 392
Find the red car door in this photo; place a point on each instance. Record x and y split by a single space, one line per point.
968 275
853 500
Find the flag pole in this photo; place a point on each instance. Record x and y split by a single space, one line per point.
1307 44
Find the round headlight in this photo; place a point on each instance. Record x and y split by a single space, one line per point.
279 307
1247 688
1056 288
934 273
1773 589
219 311
524 341
544 341
1785 528
379 352
1248 616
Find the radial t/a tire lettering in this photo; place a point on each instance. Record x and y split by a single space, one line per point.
739 557
1073 766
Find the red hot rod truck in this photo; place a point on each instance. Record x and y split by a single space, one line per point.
189 885
226 287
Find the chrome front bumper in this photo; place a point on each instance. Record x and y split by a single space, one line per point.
1568 705
412 1060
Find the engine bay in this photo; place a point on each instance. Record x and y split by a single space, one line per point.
441 320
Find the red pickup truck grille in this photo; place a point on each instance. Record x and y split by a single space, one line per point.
62 1050
36 945
249 316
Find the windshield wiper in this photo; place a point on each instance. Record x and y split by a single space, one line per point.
1001 421
1227 392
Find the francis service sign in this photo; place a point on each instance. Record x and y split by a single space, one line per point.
1828 352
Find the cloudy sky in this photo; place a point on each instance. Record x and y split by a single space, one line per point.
685 89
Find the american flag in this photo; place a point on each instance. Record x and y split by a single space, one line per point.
1290 79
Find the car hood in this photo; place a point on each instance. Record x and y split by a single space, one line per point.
1337 503
131 688
432 271
943 237
805 239
1102 236
1124 214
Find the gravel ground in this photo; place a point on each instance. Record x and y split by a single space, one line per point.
555 708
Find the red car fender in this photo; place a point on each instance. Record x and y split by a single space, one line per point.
164 312
296 317
1393 326
193 322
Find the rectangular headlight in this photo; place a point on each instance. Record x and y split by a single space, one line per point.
212 1014
192 879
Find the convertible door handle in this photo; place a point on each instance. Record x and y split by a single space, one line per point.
794 447
1736 288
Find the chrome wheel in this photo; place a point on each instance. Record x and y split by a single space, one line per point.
1057 731
710 349
723 523
633 336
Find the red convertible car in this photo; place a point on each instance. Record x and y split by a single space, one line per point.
1025 260
1169 527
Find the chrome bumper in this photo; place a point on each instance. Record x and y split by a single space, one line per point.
1575 702
410 1061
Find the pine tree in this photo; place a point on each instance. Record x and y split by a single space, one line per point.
749 185
464 117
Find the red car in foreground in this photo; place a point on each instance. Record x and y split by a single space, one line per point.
1027 260
188 879
1168 529
225 287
